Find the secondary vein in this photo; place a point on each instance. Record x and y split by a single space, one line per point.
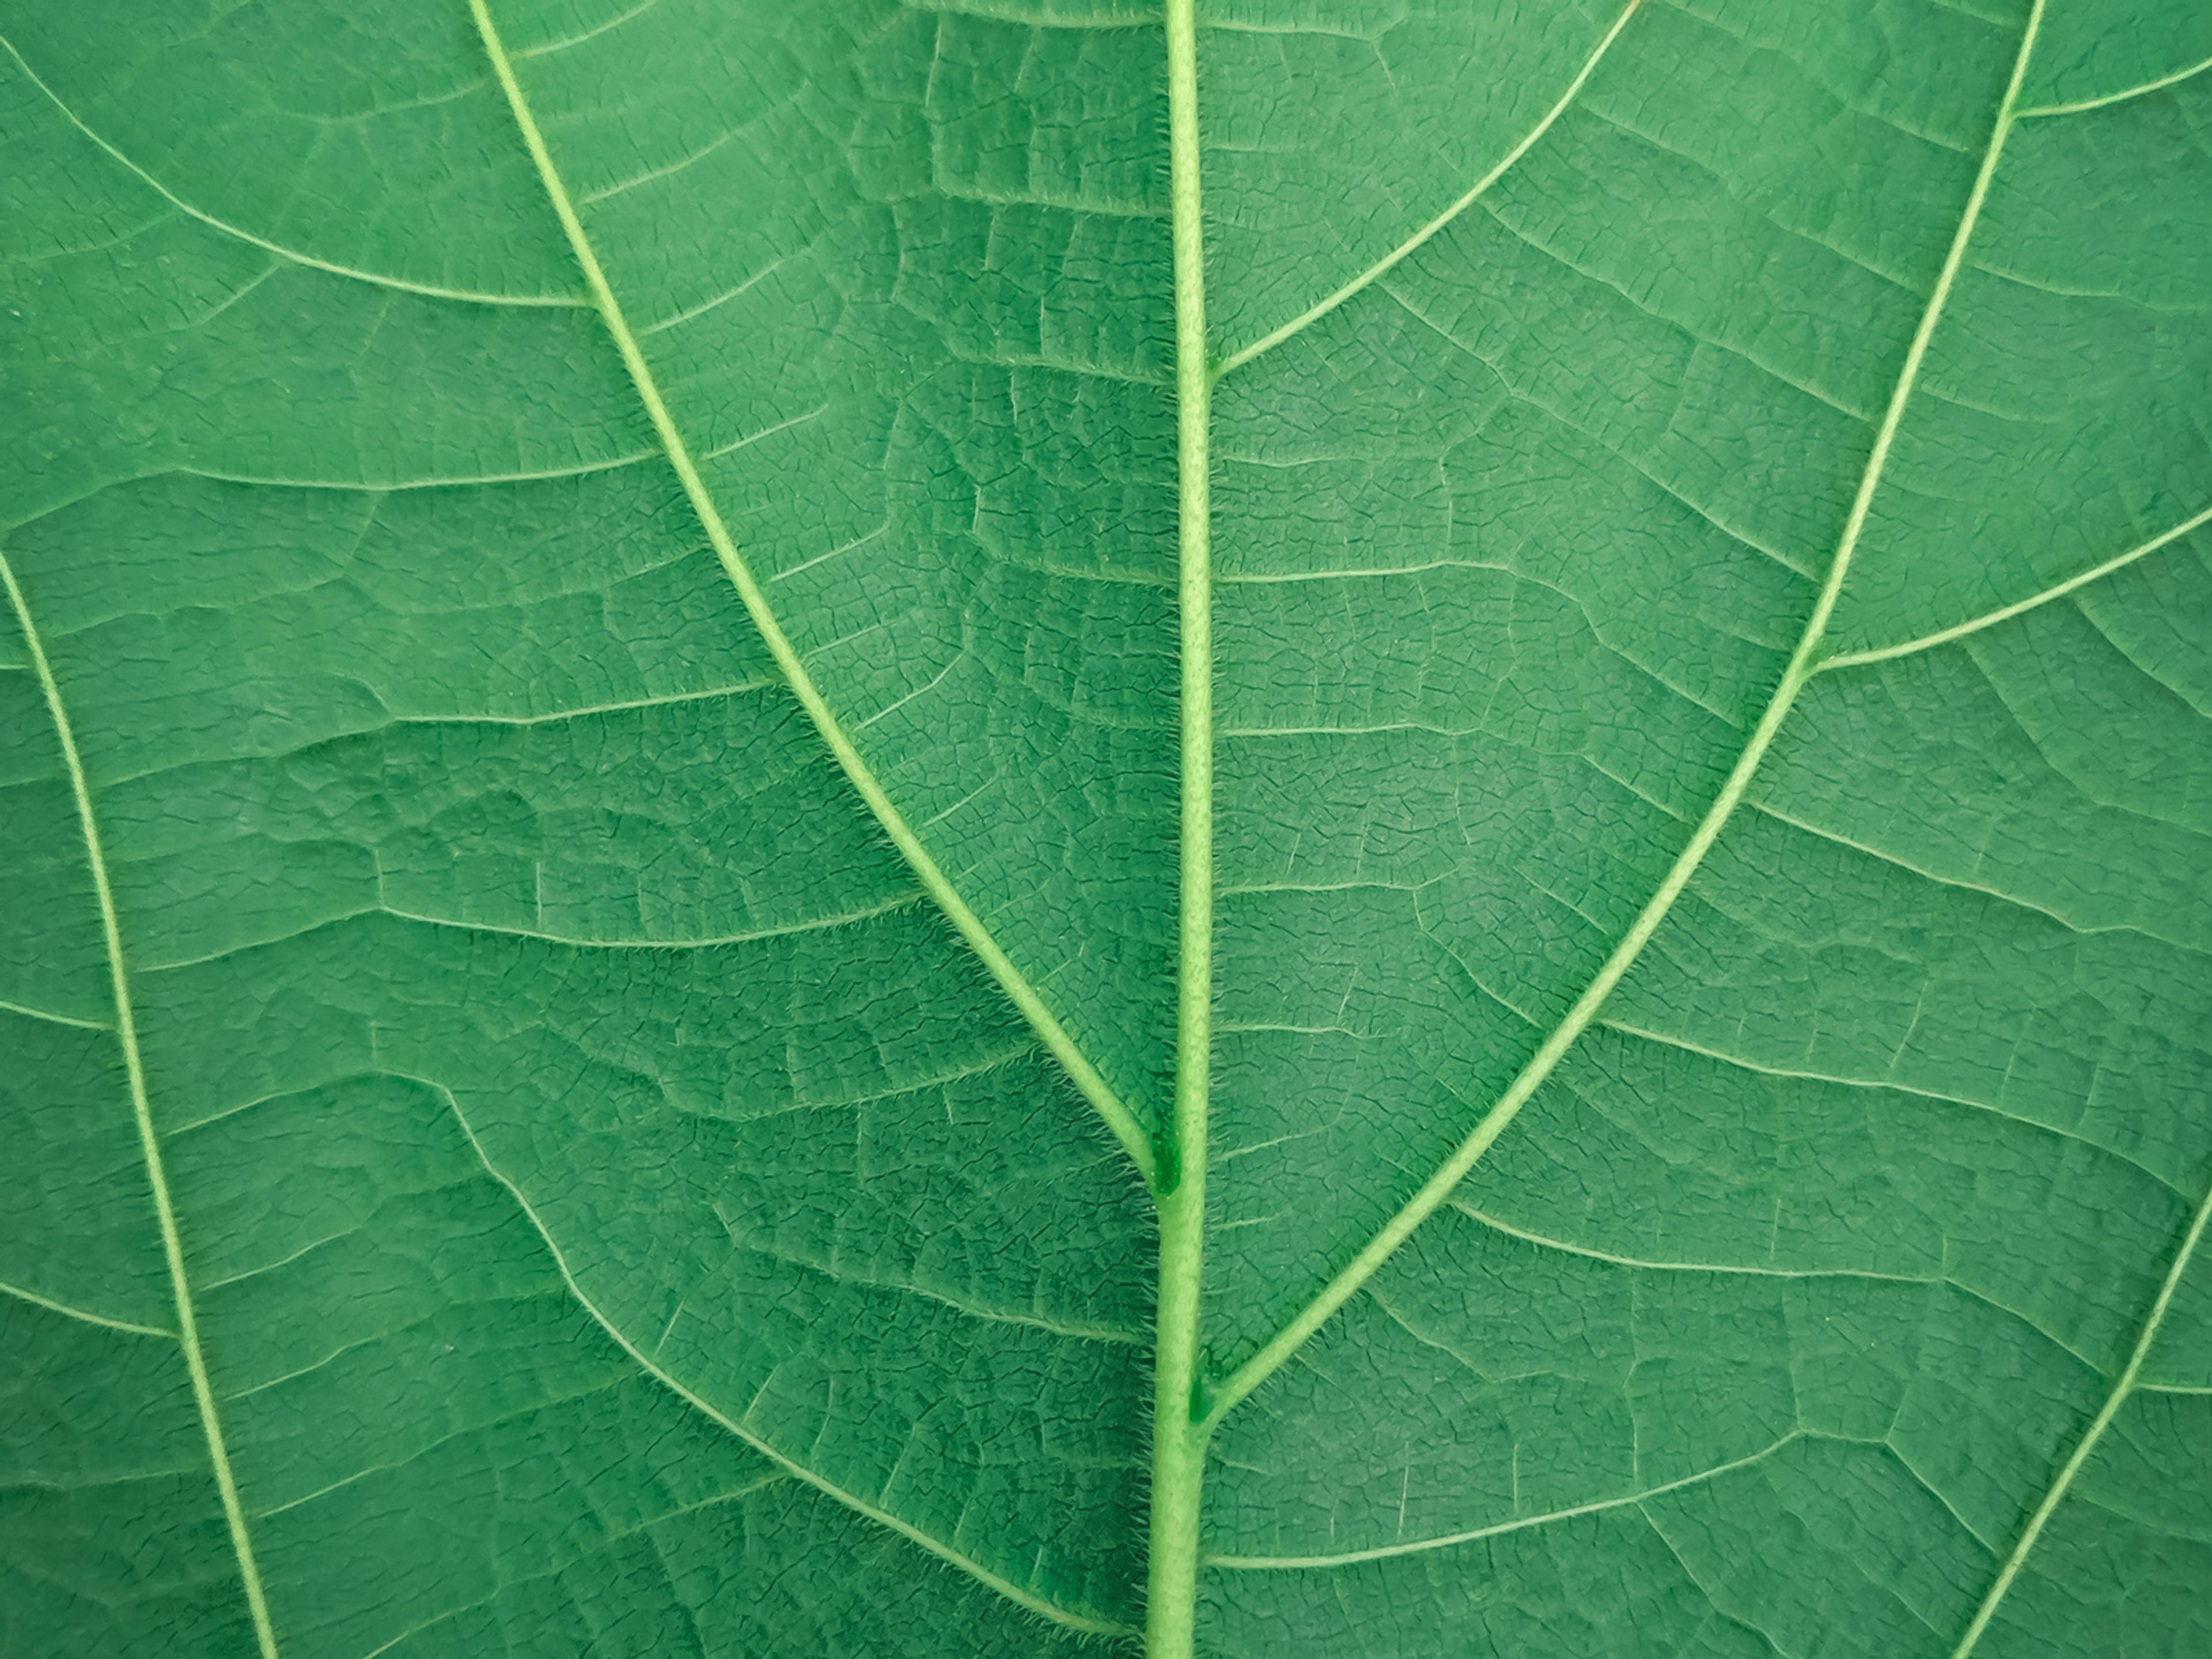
2033 601
69 1310
2083 105
291 255
1406 249
149 1145
1024 995
1804 663
2121 1390
1550 1518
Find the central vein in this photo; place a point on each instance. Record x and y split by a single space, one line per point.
1178 1436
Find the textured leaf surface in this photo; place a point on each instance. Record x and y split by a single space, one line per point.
554 1108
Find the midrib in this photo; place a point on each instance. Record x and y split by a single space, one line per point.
149 1144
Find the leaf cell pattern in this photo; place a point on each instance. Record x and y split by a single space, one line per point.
1264 827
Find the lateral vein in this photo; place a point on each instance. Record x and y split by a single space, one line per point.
1892 1085
1422 1546
126 1036
47 1016
1412 244
2072 1467
1483 1218
1804 663
69 1311
2082 106
1085 1076
2005 613
1178 1436
938 1547
291 255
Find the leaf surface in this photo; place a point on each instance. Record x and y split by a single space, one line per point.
596 763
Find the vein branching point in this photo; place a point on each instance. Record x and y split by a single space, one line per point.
1179 1434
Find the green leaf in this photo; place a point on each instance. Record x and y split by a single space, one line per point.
1268 829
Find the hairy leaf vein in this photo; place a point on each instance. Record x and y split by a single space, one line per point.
1085 1076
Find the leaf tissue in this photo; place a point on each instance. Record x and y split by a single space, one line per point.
1262 829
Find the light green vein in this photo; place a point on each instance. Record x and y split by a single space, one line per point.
2120 97
1804 663
126 1036
1412 244
1019 990
547 48
586 711
1421 1545
1892 1085
1179 1439
890 906
1643 1264
429 290
84 1314
1990 619
937 1547
46 1015
2098 1425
